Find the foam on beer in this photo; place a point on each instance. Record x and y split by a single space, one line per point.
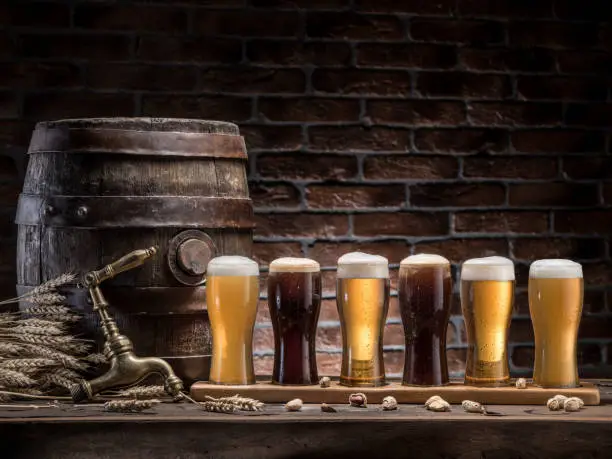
488 268
424 259
294 265
555 269
232 265
363 266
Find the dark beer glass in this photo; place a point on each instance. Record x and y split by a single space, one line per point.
294 299
425 290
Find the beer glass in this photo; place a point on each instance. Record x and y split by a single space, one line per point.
232 291
555 304
294 299
487 293
425 289
363 300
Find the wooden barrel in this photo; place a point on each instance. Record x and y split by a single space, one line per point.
96 189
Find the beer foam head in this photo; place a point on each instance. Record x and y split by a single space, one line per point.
294 265
555 269
232 265
424 259
488 268
363 265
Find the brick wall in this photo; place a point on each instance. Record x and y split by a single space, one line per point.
461 127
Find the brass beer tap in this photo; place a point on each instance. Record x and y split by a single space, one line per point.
126 369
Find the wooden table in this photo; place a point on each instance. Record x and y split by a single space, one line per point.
182 431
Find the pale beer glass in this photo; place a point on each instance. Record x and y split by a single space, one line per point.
232 291
487 294
555 304
363 300
425 290
294 299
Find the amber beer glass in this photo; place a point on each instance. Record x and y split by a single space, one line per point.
555 304
294 299
487 294
424 290
232 290
363 300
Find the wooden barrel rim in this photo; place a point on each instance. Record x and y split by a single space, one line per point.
63 139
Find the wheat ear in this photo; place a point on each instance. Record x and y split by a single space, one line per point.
11 378
130 406
218 406
143 392
26 364
241 403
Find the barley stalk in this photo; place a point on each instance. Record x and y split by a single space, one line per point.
26 364
45 299
96 359
41 323
46 310
130 406
241 403
143 392
218 406
64 359
11 378
55 380
67 374
49 330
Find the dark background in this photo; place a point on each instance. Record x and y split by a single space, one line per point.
460 127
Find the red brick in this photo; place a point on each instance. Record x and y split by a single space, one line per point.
552 34
265 252
558 141
328 281
393 335
247 23
307 166
456 359
272 137
406 55
38 14
354 197
309 109
457 31
463 84
263 365
209 107
584 222
515 114
93 47
510 167
553 194
594 327
589 354
409 167
459 195
329 338
417 112
357 138
587 167
329 311
130 17
594 302
530 59
10 106
584 61
359 81
523 356
327 253
252 80
589 114
461 140
536 87
301 224
349 25
141 76
521 330
597 273
506 8
263 311
538 248
77 105
298 53
265 195
263 339
189 49
401 224
501 222
394 311
38 75
394 363
329 364
442 7
459 250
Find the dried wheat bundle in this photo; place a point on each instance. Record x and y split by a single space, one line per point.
241 403
21 364
12 378
32 350
52 310
130 406
50 379
218 406
96 359
143 392
50 330
45 299
45 288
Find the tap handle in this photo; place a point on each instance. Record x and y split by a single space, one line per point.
125 263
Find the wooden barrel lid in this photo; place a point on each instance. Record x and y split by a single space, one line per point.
139 136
